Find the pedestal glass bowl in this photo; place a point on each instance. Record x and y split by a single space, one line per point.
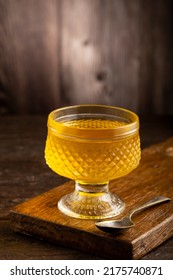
92 144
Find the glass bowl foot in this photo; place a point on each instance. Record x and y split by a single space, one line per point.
91 202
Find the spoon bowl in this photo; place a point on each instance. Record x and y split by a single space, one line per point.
126 222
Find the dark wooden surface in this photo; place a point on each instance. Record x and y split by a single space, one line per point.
24 174
62 52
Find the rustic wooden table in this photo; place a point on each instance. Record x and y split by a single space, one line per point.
24 174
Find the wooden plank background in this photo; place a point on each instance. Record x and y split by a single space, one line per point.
61 52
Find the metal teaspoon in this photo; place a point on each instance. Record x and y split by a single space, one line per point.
126 222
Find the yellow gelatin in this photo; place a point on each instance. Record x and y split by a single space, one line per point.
92 160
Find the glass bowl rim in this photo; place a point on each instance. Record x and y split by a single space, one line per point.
60 128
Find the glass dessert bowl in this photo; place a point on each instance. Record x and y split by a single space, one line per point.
92 144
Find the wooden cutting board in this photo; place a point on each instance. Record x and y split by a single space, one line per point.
40 217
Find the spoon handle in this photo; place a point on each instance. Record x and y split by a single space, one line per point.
151 202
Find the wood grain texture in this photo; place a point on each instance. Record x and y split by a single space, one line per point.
100 61
156 58
40 217
81 57
62 52
29 55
